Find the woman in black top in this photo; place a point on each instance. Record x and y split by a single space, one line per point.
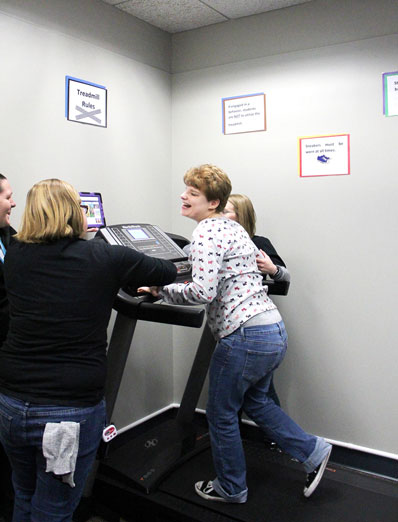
53 363
6 232
7 203
240 208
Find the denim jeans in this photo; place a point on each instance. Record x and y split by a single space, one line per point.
41 496
240 374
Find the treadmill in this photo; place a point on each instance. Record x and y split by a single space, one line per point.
145 460
148 458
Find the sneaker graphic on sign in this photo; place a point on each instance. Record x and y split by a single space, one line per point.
323 158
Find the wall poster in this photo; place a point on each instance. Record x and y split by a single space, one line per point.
244 113
85 102
324 155
390 93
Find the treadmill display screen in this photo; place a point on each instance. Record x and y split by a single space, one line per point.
146 238
138 233
150 240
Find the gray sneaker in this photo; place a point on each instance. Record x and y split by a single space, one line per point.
205 489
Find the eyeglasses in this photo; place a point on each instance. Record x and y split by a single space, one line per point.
84 208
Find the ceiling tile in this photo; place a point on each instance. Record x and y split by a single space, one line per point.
238 9
172 15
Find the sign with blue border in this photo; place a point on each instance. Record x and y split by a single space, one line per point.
85 102
245 113
390 93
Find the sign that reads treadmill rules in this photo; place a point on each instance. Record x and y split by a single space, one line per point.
86 102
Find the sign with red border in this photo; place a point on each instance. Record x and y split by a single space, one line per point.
326 155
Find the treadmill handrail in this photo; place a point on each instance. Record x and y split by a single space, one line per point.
144 309
276 287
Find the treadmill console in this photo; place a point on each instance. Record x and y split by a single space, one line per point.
150 240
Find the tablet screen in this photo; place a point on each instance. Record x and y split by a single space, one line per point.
95 213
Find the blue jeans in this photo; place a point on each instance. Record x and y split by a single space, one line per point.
240 374
41 496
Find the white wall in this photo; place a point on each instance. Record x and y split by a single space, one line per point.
315 24
101 24
129 162
320 65
337 234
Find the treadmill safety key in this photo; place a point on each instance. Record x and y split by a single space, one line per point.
109 433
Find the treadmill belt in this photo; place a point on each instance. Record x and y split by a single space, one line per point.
276 485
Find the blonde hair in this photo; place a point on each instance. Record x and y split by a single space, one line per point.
244 210
52 211
212 181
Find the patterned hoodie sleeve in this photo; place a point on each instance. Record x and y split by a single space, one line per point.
206 257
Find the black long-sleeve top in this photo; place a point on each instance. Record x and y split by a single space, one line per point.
265 244
60 298
6 234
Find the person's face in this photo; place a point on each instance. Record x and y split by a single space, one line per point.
195 205
6 203
229 211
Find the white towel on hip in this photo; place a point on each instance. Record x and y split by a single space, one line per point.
60 447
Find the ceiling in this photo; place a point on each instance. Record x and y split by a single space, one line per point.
175 16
